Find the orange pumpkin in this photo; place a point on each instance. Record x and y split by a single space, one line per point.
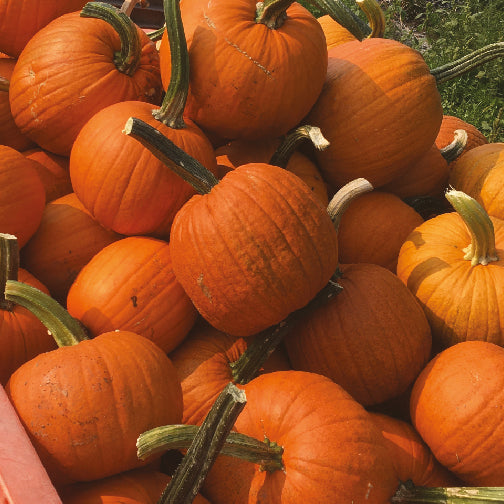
450 123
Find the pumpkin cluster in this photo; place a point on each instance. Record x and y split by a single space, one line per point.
246 258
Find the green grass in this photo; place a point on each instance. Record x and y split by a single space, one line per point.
444 30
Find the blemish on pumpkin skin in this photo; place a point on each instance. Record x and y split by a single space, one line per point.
203 287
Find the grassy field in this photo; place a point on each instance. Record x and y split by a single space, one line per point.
444 30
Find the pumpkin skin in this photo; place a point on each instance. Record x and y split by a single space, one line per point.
203 363
373 228
412 458
332 450
255 248
124 186
22 199
72 58
22 335
456 407
478 173
247 80
130 285
460 300
379 108
372 338
20 20
66 240
83 407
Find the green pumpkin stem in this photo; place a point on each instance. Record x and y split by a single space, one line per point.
453 150
9 266
65 329
174 101
340 201
4 84
246 367
482 249
375 17
467 63
157 34
205 446
128 58
408 493
293 139
172 156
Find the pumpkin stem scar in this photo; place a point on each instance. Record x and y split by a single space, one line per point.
241 51
203 287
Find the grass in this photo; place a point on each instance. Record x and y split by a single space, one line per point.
444 30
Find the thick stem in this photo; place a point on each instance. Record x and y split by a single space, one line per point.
9 266
455 149
65 329
482 249
172 109
180 437
205 447
262 346
468 62
272 13
172 156
128 58
375 17
293 139
410 494
345 196
128 6
4 84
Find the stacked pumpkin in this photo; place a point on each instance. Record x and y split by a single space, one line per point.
158 208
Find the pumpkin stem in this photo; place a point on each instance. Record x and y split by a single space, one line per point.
4 84
9 266
204 447
265 453
482 249
246 367
173 105
157 34
65 329
456 147
467 63
172 156
128 6
375 17
345 196
408 493
128 58
293 139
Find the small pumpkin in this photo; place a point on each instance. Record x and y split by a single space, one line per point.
451 123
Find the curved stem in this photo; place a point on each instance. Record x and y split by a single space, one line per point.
128 6
375 17
172 109
65 329
128 58
467 63
482 249
293 139
157 34
9 266
172 156
345 196
453 150
204 447
272 12
407 493
4 84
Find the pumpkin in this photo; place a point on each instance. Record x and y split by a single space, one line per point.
372 338
22 335
22 198
130 285
67 72
84 404
456 407
379 109
9 132
332 450
253 75
450 123
66 239
478 173
453 264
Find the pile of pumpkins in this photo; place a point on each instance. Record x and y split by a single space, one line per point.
172 203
